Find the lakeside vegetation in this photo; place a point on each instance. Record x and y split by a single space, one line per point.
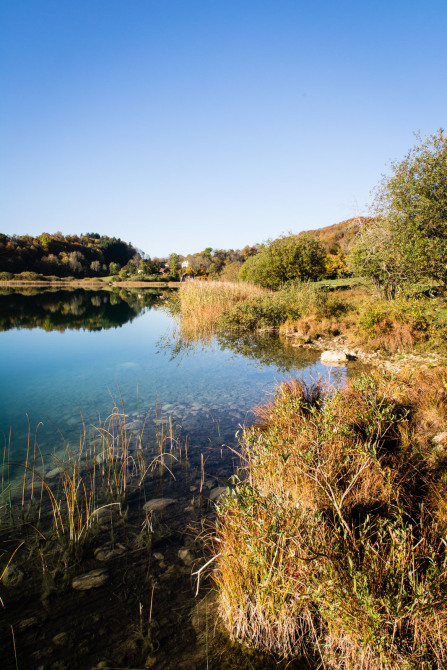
308 312
333 545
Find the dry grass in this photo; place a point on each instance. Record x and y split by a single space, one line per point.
312 311
335 543
64 504
202 303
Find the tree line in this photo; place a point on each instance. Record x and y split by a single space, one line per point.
405 241
57 255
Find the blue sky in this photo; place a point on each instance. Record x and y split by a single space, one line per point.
185 125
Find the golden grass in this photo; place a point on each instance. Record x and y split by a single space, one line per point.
203 302
335 543
100 472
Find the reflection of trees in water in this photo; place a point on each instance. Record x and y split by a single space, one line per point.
73 308
268 349
262 348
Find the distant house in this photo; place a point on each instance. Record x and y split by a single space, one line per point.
185 265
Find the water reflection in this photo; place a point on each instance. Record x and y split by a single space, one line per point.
73 309
198 402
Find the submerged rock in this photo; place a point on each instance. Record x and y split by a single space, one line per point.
60 639
108 551
54 473
25 624
12 576
103 515
217 493
158 504
90 580
185 556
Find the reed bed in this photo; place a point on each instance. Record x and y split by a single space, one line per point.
334 545
201 304
311 310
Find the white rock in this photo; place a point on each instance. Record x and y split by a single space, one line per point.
329 357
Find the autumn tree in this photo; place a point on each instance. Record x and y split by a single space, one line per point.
409 240
286 258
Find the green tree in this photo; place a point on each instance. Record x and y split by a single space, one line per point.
286 258
409 240
174 265
375 256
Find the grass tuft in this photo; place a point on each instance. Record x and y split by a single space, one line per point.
335 544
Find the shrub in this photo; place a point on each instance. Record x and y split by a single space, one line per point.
335 542
397 325
294 301
29 276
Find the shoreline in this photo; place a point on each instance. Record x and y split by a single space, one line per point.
84 283
386 361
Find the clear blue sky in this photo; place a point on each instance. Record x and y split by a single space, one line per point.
180 125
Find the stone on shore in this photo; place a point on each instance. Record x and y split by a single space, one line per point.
329 357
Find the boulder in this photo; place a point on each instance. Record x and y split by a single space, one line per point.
330 357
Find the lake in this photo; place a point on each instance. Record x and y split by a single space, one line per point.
70 353
67 357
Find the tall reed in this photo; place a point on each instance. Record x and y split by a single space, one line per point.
202 303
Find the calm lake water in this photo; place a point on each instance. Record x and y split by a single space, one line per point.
70 353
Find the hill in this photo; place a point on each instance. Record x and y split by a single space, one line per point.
340 236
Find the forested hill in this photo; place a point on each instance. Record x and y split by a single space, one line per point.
87 255
340 236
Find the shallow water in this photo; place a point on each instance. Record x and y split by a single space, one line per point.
69 353
55 377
